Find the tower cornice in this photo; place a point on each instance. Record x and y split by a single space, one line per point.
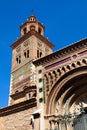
31 33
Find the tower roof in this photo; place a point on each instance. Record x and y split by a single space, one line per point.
32 24
32 19
29 28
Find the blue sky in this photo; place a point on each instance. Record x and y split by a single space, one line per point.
65 23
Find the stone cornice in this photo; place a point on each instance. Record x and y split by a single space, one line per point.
62 53
18 107
27 35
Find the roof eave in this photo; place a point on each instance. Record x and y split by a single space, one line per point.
33 32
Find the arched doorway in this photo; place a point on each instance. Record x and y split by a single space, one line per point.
68 97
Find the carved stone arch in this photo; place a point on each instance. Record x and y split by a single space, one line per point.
75 90
60 85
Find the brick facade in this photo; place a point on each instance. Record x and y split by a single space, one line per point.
48 90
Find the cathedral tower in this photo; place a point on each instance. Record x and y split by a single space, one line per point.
30 46
48 91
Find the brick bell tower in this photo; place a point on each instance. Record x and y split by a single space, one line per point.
31 46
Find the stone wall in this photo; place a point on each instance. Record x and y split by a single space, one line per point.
17 121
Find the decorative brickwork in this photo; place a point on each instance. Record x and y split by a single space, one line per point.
48 90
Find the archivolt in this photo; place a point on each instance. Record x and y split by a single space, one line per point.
70 82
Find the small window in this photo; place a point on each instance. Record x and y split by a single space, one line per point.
18 59
32 27
40 54
37 53
39 30
26 54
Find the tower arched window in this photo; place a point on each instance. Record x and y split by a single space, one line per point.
39 30
18 59
26 54
25 30
39 54
32 27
